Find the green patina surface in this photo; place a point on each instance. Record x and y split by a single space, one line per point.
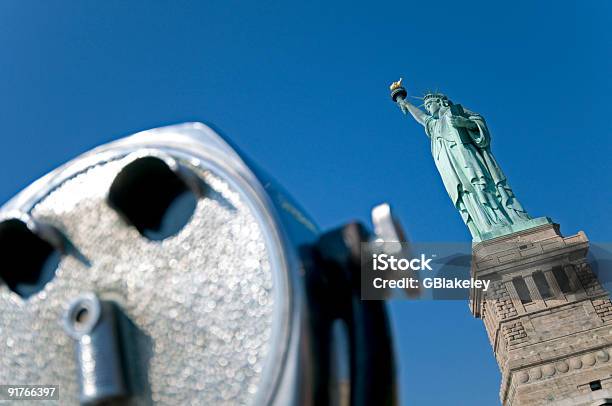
461 149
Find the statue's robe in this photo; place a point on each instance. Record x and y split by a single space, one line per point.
473 179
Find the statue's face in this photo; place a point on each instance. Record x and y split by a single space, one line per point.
432 106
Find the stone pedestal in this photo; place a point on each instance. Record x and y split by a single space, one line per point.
547 317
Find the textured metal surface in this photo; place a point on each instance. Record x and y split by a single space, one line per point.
203 300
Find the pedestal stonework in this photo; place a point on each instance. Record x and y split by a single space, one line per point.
547 317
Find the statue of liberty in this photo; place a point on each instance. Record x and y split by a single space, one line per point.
461 148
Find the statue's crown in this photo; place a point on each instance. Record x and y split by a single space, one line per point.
434 95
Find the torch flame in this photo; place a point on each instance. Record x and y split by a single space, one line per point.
396 85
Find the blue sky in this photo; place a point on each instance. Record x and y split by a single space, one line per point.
302 88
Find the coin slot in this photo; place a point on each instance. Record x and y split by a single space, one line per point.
28 261
150 196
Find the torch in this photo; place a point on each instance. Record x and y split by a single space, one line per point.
398 93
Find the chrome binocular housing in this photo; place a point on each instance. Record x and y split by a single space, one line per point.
166 268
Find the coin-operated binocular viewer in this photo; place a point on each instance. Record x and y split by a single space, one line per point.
164 268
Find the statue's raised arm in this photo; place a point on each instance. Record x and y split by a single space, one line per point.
398 94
